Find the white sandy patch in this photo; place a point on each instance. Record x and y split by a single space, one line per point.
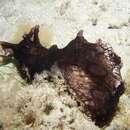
60 21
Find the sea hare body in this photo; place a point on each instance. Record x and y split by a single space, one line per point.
91 70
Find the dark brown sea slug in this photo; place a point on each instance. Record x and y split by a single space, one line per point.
91 70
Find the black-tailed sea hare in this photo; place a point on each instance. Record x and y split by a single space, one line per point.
91 70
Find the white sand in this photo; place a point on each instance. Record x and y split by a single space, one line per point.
61 20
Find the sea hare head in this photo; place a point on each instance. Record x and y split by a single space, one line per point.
91 70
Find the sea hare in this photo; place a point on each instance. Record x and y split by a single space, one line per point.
91 70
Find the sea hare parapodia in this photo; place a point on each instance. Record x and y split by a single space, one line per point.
91 70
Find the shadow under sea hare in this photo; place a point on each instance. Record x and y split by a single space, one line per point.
91 70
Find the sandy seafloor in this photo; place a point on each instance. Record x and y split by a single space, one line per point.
47 105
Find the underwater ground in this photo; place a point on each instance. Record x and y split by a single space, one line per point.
47 105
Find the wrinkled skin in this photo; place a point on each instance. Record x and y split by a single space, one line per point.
91 70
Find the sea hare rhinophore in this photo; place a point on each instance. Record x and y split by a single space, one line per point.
91 70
